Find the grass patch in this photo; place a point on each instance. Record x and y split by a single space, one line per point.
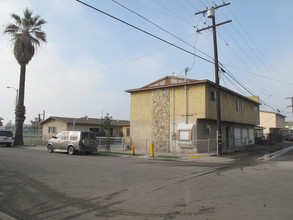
34 143
120 153
167 157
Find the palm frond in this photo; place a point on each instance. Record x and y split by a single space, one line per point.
26 35
16 18
27 13
11 29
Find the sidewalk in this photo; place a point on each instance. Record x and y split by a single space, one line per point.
257 152
260 152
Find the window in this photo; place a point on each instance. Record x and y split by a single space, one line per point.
213 96
255 109
227 95
242 106
127 132
58 136
206 130
237 105
73 137
51 129
65 136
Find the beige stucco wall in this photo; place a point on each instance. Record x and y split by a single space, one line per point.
60 126
228 108
271 120
267 120
156 114
140 118
280 121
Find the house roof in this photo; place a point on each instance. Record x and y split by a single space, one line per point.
170 81
276 113
86 121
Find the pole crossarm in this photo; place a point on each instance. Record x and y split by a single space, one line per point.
225 22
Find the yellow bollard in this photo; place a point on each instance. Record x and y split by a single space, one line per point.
132 150
152 149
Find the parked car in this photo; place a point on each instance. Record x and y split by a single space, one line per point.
73 141
6 137
289 137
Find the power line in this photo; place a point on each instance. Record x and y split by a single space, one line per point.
251 48
272 67
141 16
139 29
246 89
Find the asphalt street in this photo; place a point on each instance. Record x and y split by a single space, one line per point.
37 185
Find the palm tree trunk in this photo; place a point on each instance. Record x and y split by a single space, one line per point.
20 108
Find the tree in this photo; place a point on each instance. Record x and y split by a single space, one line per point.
26 35
106 126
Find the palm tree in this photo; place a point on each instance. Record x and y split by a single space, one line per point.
26 35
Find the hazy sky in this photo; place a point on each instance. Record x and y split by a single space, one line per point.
90 58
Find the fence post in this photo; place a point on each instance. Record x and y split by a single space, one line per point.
208 146
123 143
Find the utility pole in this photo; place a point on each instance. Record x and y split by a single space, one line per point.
39 123
211 14
290 106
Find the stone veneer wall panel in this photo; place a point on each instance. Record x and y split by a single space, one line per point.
161 119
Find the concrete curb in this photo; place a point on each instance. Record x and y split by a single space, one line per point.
276 154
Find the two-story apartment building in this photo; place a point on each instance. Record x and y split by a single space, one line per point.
177 113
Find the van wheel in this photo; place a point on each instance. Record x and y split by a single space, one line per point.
71 150
50 148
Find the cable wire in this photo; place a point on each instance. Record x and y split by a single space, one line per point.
139 29
143 17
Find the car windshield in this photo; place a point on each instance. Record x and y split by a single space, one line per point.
6 133
88 135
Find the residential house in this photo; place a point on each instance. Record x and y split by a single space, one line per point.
54 124
272 122
179 114
289 125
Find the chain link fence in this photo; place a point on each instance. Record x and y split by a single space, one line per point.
205 146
